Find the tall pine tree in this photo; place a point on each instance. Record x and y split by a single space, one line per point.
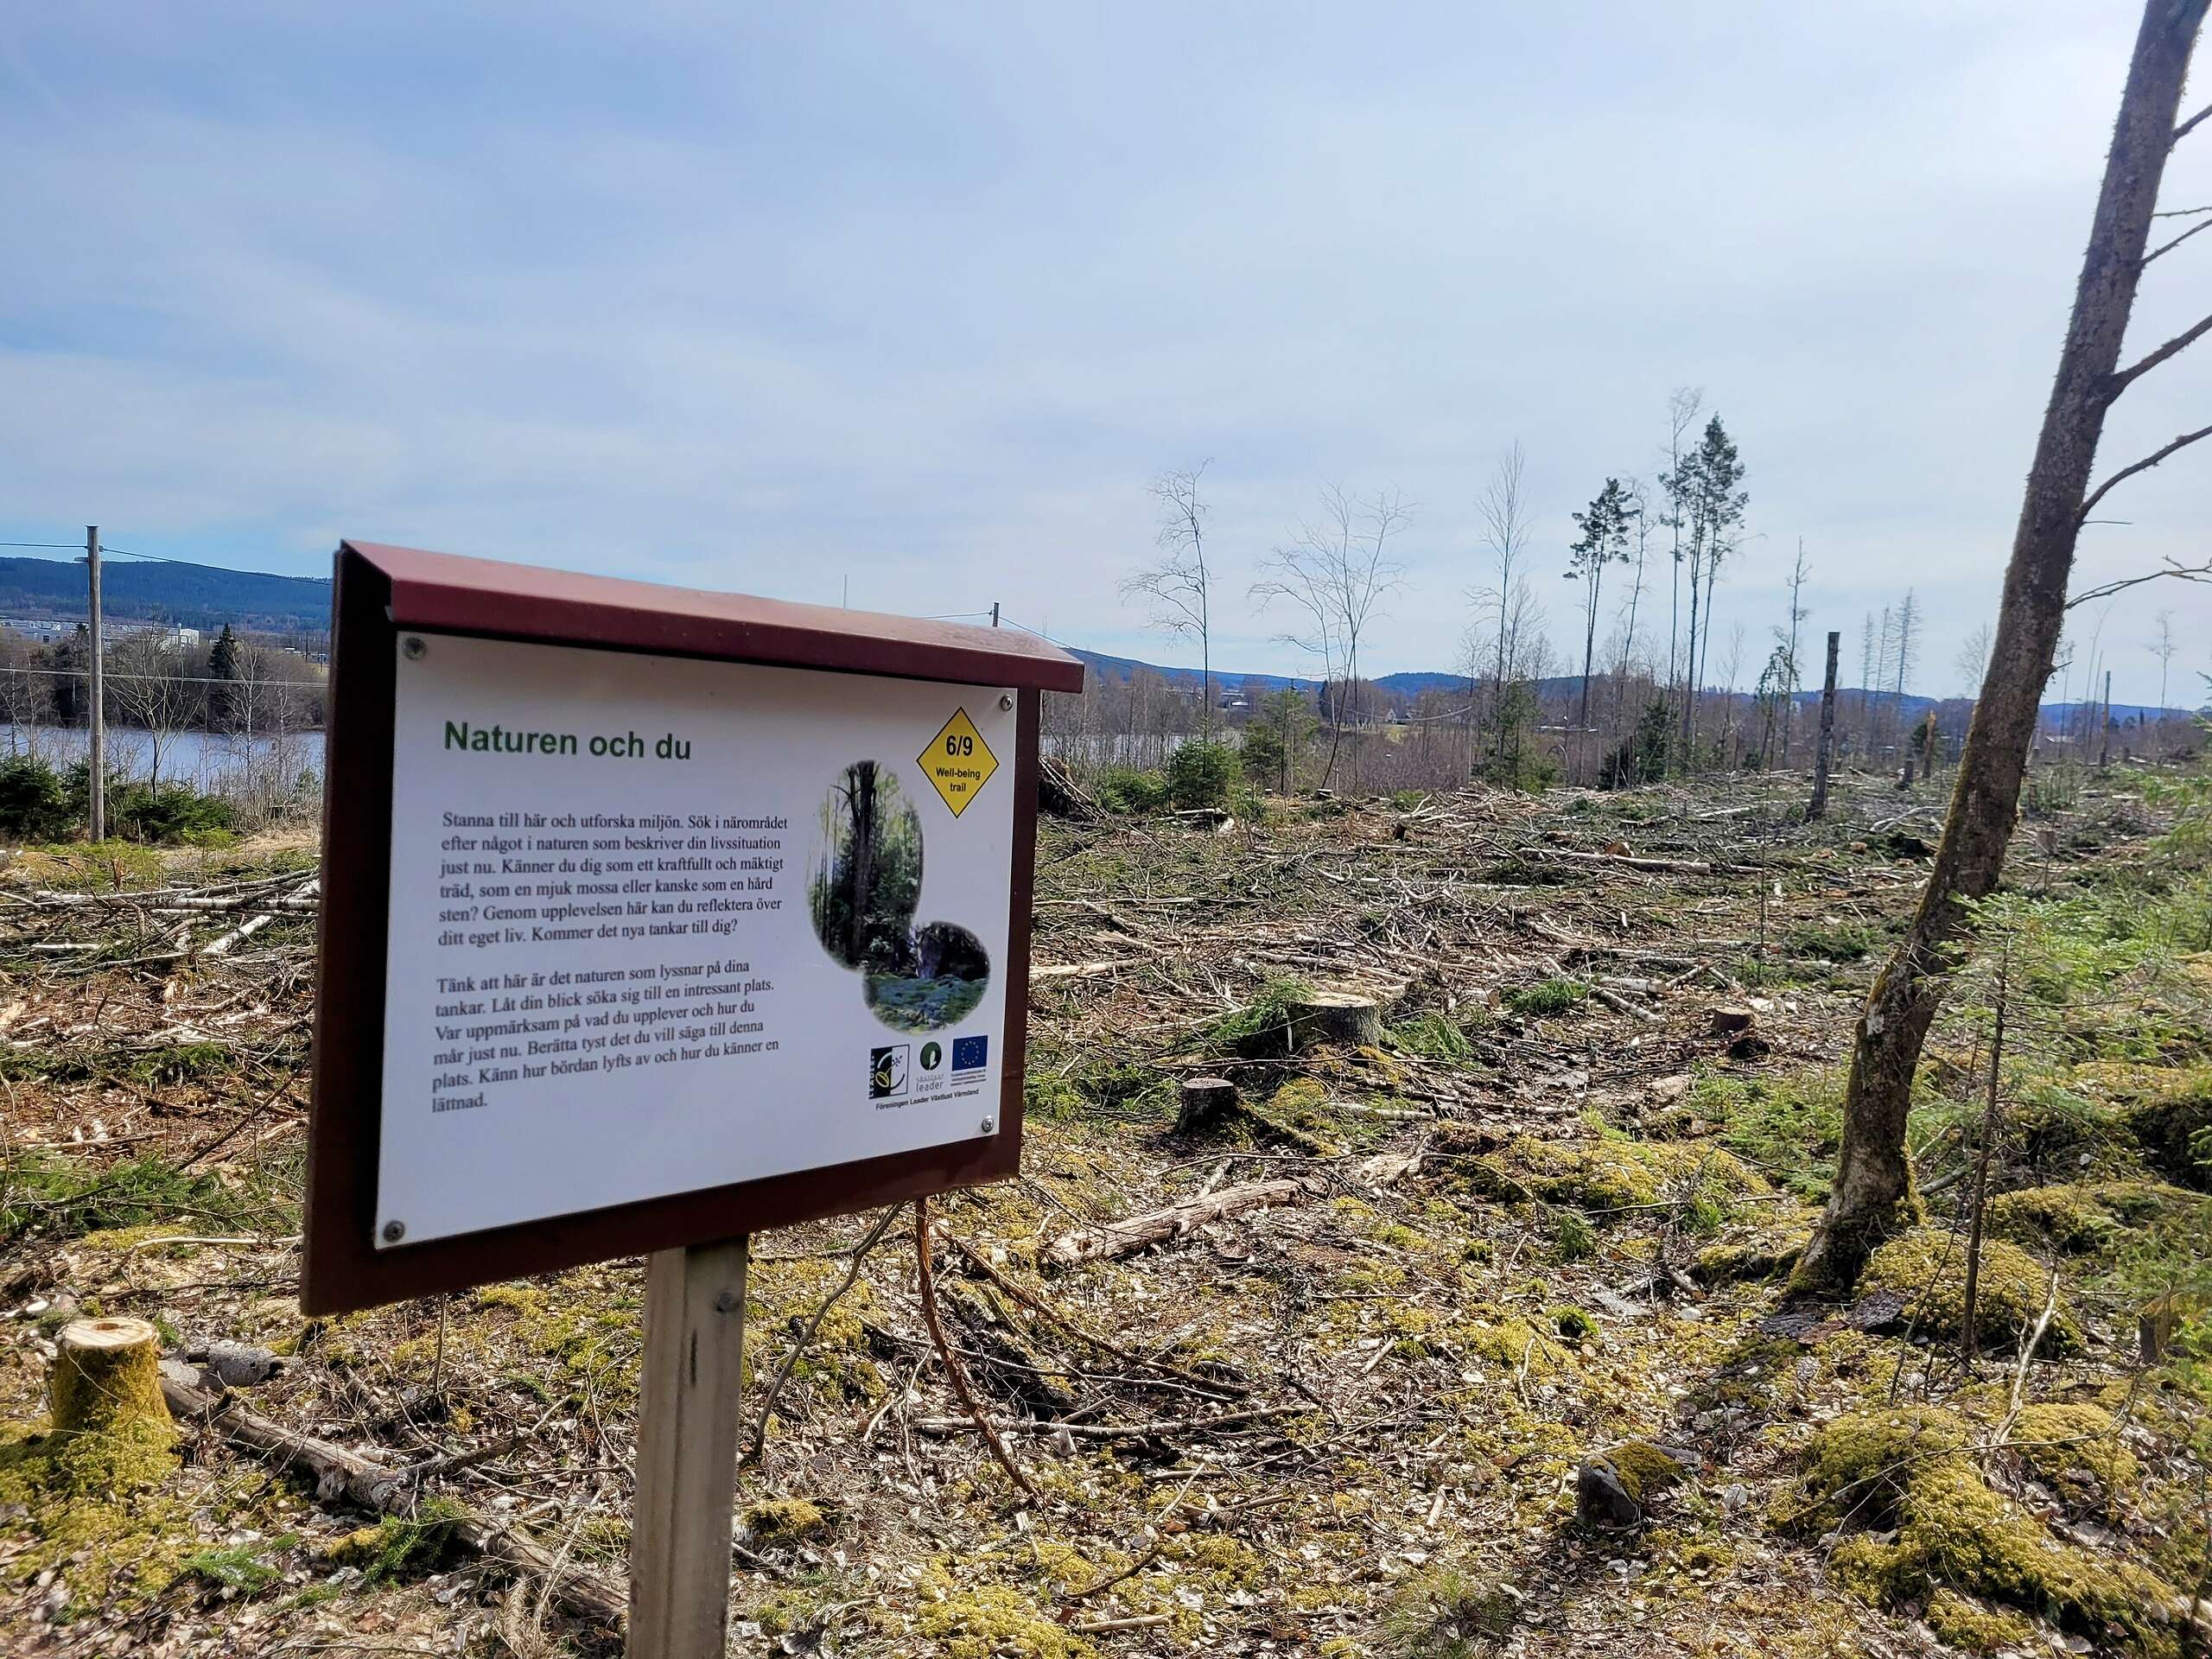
223 670
1605 527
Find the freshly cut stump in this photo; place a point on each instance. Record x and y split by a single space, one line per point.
1207 1103
1335 1017
1730 1018
107 1375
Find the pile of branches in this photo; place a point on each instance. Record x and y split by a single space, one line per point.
158 928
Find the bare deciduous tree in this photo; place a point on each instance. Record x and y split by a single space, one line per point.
1504 509
1872 1195
1684 405
1178 589
1337 571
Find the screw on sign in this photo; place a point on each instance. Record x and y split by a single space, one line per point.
606 970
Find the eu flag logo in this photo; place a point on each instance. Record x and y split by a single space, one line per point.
968 1053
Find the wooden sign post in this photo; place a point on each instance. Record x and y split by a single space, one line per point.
652 918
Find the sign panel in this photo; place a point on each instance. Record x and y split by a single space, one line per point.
654 917
660 925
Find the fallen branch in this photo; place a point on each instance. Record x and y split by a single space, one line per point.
341 1473
953 1369
1112 1431
1156 1226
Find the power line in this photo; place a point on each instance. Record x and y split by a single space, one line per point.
66 547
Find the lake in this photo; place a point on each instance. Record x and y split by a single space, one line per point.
212 762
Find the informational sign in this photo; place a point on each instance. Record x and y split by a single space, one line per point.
655 917
660 925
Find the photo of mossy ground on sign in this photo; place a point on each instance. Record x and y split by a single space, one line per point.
863 884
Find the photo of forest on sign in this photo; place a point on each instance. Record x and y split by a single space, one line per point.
864 881
937 983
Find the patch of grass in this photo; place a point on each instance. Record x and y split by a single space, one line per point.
1546 997
1445 1613
1433 1036
63 1197
1832 942
1789 1127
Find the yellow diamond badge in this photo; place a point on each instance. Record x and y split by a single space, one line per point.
959 762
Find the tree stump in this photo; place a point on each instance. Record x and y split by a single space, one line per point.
1334 1017
1730 1018
107 1375
1207 1103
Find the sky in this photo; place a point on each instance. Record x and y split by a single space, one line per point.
908 303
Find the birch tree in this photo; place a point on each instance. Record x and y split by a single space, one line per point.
1178 590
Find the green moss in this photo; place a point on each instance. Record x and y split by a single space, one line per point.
1730 1263
1612 1177
94 1502
1927 1268
1909 1471
784 1520
1510 1341
1968 1625
1299 1111
2106 1219
1573 1324
2077 1450
986 1621
1645 1470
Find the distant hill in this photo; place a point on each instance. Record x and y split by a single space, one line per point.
194 596
206 596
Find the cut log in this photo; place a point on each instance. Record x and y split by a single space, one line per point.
1334 1017
1730 1018
1207 1103
1157 1226
107 1374
339 1472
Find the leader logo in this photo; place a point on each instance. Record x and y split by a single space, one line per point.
887 1072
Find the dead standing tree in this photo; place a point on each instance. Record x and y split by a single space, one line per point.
1504 508
1337 571
1872 1195
1179 589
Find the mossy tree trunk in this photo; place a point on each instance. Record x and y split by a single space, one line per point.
106 1375
1872 1194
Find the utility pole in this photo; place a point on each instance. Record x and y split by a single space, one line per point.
1820 805
98 746
995 613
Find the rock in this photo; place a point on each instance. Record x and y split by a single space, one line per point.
233 1364
1614 1489
1601 1498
